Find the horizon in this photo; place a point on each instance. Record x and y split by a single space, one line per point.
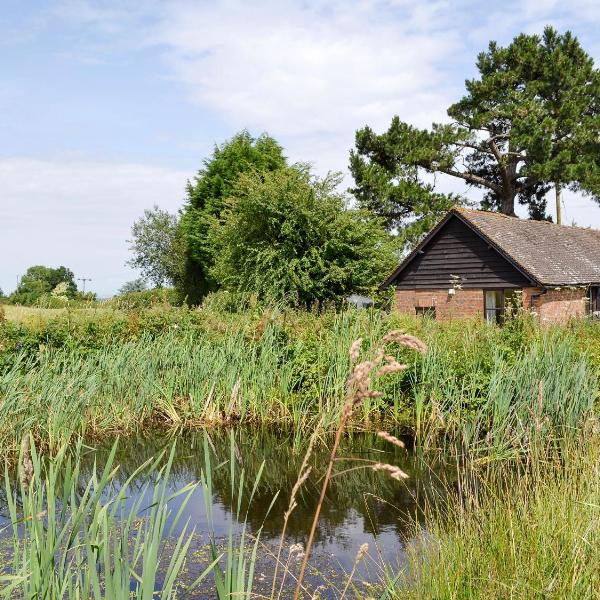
108 108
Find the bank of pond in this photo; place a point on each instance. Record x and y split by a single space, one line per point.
176 453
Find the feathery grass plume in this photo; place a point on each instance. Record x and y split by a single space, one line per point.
362 551
358 388
395 472
392 439
26 468
405 339
355 350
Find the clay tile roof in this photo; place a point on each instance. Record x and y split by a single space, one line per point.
555 255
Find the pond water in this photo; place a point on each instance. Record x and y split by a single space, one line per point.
362 506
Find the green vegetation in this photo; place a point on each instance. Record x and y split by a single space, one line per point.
529 122
73 543
522 535
287 236
511 407
156 249
110 370
44 284
206 199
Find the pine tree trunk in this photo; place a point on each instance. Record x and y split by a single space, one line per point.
507 206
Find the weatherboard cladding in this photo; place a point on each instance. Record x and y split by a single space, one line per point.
493 250
456 251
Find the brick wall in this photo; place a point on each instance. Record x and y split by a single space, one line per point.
463 304
555 305
562 304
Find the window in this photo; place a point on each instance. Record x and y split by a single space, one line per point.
494 305
425 311
498 303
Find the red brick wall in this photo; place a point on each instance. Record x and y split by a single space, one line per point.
464 303
557 305
562 304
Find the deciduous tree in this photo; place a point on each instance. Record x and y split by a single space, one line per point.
155 246
287 235
136 285
205 200
40 280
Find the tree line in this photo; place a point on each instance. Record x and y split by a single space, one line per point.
47 285
527 127
528 123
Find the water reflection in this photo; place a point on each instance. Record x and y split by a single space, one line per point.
361 505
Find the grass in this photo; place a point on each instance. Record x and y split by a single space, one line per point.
512 408
93 375
37 317
75 542
514 534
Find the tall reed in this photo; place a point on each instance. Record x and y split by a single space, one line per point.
512 533
72 540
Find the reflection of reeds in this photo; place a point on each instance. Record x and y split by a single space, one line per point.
70 543
303 474
26 470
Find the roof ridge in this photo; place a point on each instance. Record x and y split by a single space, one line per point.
492 213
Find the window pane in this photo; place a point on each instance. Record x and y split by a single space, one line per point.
594 301
493 305
425 311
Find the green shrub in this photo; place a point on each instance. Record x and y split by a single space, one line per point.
146 299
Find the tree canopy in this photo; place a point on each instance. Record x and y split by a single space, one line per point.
135 285
530 121
285 234
206 196
40 281
155 246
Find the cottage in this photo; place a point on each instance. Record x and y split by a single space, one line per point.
479 263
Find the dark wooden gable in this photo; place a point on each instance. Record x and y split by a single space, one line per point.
456 249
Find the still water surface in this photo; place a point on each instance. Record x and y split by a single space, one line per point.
362 506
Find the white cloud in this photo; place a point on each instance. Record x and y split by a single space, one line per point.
77 214
311 71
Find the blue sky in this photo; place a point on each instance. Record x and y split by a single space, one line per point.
108 107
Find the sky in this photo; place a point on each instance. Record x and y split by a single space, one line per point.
108 107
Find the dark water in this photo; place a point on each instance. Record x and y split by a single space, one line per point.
362 506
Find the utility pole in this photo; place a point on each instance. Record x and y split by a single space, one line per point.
83 280
558 207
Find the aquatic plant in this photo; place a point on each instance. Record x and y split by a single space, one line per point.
511 533
72 541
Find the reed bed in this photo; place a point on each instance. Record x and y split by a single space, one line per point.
75 540
512 533
513 408
474 388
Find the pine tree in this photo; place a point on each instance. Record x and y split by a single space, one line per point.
530 121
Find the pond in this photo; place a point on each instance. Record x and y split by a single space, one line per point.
362 506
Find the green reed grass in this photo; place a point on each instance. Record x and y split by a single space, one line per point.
73 539
184 368
512 533
545 392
